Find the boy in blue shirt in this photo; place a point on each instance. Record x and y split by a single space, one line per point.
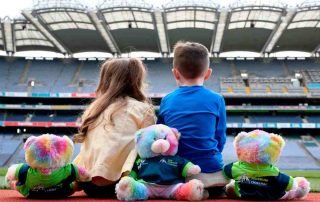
197 112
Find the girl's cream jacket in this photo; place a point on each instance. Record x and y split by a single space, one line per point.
109 149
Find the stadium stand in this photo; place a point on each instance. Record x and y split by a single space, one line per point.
275 119
313 118
8 146
312 146
292 153
235 119
82 76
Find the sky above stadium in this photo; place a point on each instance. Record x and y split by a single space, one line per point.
12 8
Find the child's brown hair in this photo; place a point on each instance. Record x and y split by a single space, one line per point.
119 78
190 58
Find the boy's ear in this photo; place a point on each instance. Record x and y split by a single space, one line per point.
208 74
176 73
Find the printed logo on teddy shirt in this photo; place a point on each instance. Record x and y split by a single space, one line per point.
169 162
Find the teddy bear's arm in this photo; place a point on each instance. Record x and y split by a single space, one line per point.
188 168
227 171
297 187
290 183
82 174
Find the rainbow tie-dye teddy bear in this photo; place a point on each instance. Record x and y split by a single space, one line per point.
48 173
158 172
254 176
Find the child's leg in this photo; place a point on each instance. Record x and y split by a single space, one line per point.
95 191
51 193
211 179
214 183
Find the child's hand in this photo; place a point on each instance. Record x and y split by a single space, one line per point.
194 170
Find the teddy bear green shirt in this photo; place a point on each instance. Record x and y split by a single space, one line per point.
30 179
253 181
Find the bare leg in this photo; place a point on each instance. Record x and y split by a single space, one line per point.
211 179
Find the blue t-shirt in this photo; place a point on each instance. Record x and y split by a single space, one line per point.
200 116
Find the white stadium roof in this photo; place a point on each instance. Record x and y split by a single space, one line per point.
118 26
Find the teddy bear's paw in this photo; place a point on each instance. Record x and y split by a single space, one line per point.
197 190
123 189
128 189
10 176
194 170
303 187
205 194
192 191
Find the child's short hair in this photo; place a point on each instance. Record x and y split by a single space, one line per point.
190 58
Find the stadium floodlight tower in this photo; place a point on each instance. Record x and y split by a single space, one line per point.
131 24
255 22
191 20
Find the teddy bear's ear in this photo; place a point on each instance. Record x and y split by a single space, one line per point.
29 141
66 138
138 135
176 133
278 139
239 137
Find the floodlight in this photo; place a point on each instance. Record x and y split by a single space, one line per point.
244 75
31 83
297 76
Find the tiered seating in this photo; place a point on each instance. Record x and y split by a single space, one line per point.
313 119
8 145
235 119
160 79
66 76
294 153
261 69
49 117
274 85
275 119
17 116
88 76
220 70
232 85
310 75
64 118
14 73
63 82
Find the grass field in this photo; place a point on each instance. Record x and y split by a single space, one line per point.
312 175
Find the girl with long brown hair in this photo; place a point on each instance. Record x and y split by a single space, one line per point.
109 123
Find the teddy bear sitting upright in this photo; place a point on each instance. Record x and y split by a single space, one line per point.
158 173
255 177
48 173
